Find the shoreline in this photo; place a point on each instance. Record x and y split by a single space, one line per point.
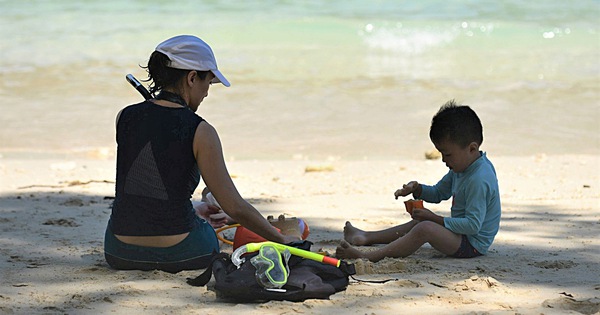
54 212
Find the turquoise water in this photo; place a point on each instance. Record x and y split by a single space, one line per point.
311 79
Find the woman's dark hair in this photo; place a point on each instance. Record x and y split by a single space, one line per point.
163 76
456 123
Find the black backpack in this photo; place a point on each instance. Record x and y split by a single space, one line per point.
307 279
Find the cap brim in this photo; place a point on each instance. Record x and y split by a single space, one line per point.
219 78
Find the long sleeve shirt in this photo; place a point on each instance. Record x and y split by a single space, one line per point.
475 197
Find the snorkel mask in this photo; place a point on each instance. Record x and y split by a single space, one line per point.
271 266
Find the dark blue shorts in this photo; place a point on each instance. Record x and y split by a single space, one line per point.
194 252
466 250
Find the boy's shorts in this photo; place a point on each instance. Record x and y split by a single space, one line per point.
466 250
194 252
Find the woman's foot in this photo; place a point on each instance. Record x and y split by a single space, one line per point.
345 251
354 236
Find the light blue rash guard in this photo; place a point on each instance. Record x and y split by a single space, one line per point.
475 196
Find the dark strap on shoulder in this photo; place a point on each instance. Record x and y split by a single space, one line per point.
204 277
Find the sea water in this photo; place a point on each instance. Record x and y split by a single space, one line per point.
338 79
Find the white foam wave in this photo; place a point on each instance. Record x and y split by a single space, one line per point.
398 39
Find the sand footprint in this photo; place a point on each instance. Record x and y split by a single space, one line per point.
476 283
554 264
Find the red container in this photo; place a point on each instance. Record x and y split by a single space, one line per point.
412 204
244 236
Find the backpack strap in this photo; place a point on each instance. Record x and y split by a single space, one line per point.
373 281
347 268
203 278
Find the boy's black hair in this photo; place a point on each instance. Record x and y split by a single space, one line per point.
456 123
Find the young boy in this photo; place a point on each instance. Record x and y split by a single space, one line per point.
456 132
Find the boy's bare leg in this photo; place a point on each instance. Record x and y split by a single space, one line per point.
438 236
356 236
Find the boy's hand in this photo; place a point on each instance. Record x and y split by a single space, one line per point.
407 189
422 214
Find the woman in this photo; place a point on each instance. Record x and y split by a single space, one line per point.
163 148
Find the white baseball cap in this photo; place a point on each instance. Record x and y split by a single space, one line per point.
189 52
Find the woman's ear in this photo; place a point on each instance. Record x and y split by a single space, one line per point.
191 76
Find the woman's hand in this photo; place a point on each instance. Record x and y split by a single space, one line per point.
212 214
290 238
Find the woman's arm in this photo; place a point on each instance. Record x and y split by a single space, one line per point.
209 155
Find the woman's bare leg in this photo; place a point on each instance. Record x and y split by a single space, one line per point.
358 237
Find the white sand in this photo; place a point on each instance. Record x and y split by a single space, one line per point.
545 259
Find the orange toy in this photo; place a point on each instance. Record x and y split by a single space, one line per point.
243 236
412 204
304 228
290 226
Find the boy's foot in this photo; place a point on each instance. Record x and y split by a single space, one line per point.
347 251
354 235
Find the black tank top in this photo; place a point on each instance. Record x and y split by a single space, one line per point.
156 171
